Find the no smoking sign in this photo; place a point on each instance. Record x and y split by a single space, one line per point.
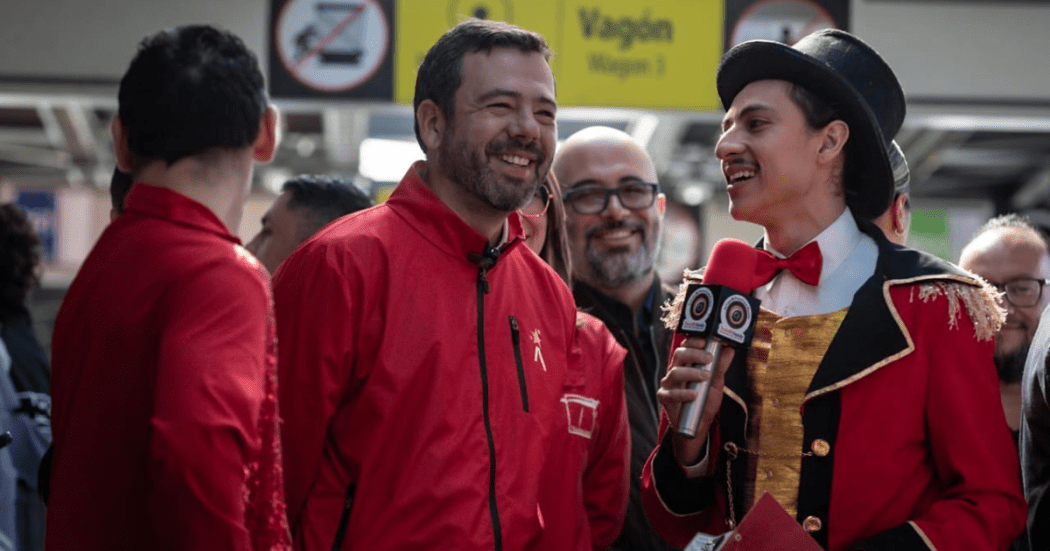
332 48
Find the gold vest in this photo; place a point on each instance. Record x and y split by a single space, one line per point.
784 356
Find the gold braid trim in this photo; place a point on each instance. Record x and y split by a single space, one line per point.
979 301
673 308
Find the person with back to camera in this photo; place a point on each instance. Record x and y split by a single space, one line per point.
866 404
165 409
896 221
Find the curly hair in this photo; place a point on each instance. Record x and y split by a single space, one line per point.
19 256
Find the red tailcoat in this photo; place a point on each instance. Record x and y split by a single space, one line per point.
919 455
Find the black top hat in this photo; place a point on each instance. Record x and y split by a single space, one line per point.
844 71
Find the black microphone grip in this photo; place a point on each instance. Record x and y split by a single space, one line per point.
689 417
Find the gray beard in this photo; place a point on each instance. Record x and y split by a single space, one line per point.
615 270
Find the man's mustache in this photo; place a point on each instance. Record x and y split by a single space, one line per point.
615 225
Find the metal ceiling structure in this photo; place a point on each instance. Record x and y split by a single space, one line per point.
57 134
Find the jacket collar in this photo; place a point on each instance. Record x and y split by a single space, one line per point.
160 202
609 310
414 201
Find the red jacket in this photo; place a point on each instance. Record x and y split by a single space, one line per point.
914 450
421 385
595 459
164 390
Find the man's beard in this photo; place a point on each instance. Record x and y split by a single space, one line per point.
463 165
619 267
1010 365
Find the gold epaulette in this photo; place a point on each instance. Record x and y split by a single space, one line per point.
978 299
673 308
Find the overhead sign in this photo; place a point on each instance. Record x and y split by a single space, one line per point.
332 48
656 54
784 21
659 54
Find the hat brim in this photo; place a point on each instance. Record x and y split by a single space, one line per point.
872 188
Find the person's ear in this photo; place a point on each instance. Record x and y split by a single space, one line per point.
899 213
834 139
125 160
265 145
432 124
661 204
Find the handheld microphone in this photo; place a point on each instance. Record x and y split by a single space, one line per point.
722 310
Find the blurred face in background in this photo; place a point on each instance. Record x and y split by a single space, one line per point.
1005 256
279 235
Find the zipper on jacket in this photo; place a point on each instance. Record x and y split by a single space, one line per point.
516 339
344 519
486 261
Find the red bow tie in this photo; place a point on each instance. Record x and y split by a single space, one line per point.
805 264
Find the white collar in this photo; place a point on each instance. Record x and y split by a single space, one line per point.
835 242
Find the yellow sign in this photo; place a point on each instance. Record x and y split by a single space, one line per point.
655 54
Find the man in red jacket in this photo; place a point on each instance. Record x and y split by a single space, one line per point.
164 376
866 405
424 349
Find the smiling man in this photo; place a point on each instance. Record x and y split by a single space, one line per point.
614 217
866 405
1011 254
424 349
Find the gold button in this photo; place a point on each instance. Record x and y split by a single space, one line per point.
775 402
769 475
821 447
812 524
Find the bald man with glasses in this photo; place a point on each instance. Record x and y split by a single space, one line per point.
614 217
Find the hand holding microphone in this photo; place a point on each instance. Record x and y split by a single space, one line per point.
721 311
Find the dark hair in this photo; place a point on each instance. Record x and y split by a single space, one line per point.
19 257
119 185
555 249
325 197
1015 221
820 112
188 90
440 74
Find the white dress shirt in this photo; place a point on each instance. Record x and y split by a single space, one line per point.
849 258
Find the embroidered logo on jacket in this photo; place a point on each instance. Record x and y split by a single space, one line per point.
582 412
537 356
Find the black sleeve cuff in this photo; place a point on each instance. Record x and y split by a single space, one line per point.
681 495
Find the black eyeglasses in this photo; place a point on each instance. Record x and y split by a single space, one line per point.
1023 291
592 199
538 203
